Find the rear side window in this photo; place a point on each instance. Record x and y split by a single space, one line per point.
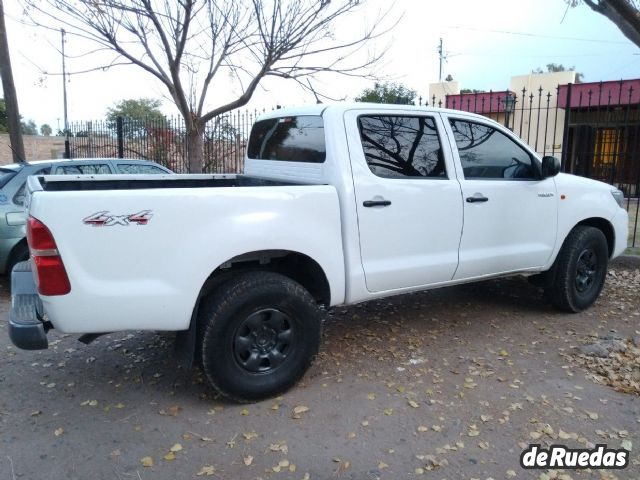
139 168
91 169
6 174
402 146
289 139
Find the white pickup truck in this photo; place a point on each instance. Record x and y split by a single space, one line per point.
339 204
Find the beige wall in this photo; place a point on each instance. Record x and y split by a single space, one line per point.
527 119
441 90
36 147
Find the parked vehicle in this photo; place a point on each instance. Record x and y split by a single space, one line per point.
339 204
13 178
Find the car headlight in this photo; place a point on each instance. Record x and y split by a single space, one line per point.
618 196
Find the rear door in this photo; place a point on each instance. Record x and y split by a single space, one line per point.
407 198
510 212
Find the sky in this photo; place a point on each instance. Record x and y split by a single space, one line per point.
485 42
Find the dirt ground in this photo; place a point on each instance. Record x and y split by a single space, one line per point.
447 384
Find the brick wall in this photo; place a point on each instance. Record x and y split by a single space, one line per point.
36 147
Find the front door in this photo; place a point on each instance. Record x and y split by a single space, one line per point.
407 198
510 214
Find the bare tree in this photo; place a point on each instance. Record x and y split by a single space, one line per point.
10 95
624 13
194 46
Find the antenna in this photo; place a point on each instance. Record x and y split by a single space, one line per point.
443 58
20 159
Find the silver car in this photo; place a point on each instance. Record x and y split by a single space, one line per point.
13 244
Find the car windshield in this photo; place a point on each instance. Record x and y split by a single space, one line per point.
7 173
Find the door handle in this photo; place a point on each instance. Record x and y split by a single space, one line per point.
376 203
477 199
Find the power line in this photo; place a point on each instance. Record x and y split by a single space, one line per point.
537 35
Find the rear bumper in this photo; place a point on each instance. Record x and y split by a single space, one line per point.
27 330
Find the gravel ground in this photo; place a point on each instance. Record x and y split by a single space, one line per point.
447 384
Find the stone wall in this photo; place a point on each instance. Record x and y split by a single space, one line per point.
36 147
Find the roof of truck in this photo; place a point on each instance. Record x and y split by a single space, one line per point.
319 109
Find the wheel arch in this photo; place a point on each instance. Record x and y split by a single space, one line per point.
605 227
295 265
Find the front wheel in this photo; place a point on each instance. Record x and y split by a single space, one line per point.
580 269
261 332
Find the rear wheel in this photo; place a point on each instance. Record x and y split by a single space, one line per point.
261 332
580 269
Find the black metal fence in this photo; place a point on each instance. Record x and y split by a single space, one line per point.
164 140
593 127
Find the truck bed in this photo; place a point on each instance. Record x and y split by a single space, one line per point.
66 183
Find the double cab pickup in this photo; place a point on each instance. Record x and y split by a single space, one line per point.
339 204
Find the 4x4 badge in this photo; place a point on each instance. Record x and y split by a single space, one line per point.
105 219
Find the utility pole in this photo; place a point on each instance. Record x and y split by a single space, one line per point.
10 95
441 55
67 149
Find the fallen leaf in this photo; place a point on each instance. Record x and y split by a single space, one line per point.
371 396
422 428
299 410
250 435
146 461
511 473
382 466
207 470
388 411
627 445
170 456
244 412
174 409
413 404
176 448
58 431
248 460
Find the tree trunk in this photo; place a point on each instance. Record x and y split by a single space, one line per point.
10 96
195 150
622 13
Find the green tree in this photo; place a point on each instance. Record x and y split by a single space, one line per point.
4 128
45 129
558 67
139 115
29 127
388 92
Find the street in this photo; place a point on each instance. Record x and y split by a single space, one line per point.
448 384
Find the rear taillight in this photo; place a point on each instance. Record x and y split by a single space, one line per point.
51 275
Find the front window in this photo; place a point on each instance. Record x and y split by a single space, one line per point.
488 154
139 168
288 139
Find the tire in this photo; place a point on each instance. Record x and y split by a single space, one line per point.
580 270
261 332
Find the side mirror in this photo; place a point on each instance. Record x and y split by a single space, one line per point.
550 167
